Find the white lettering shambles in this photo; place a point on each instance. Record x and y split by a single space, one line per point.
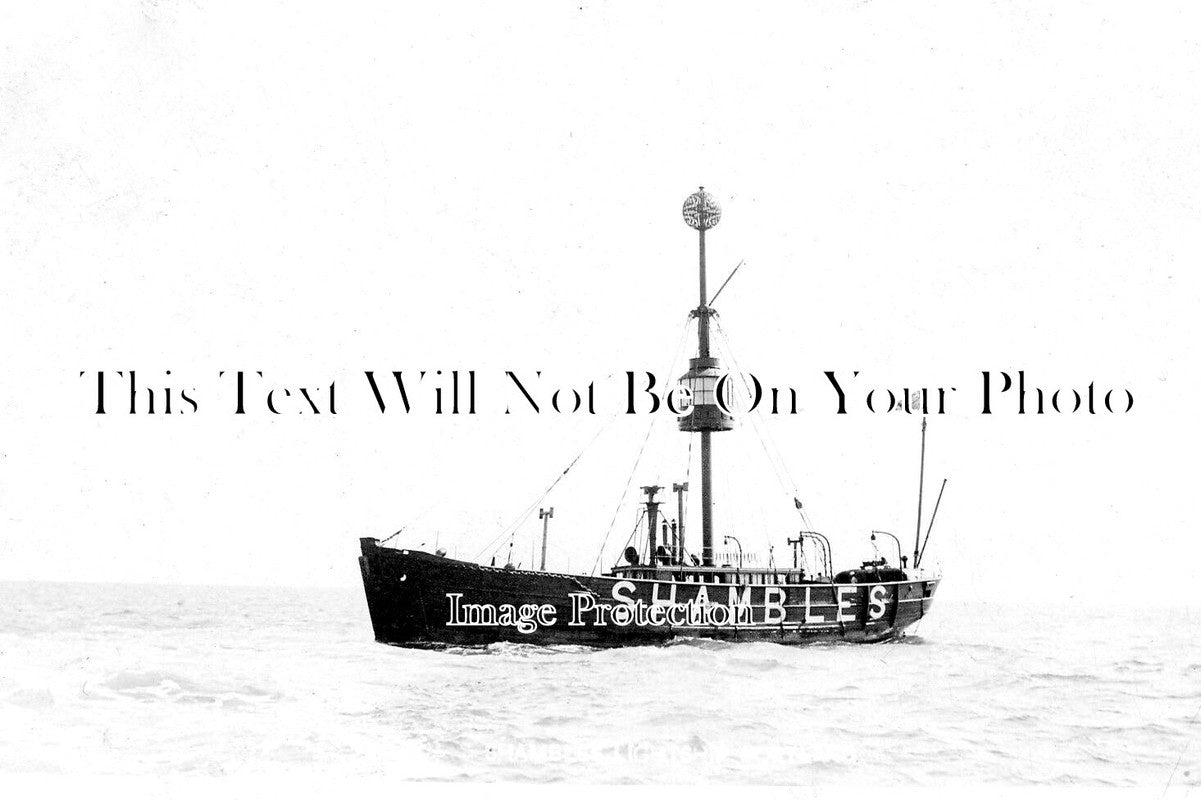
663 608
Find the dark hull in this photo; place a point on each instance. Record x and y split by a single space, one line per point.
421 600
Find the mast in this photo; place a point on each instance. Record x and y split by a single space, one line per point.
702 331
701 212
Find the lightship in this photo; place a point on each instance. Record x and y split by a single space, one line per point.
661 591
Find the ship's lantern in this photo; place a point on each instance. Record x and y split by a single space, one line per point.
702 379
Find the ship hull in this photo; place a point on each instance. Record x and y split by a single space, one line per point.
417 599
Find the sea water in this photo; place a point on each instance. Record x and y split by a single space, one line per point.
122 679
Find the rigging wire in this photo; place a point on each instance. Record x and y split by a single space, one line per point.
779 465
776 459
742 482
511 528
634 531
622 500
637 459
411 522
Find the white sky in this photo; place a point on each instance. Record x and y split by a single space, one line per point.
921 192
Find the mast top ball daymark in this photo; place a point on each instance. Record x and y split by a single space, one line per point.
701 211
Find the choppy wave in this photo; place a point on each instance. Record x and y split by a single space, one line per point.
219 681
162 685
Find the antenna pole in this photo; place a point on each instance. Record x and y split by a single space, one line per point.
652 520
795 543
545 514
679 489
921 480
